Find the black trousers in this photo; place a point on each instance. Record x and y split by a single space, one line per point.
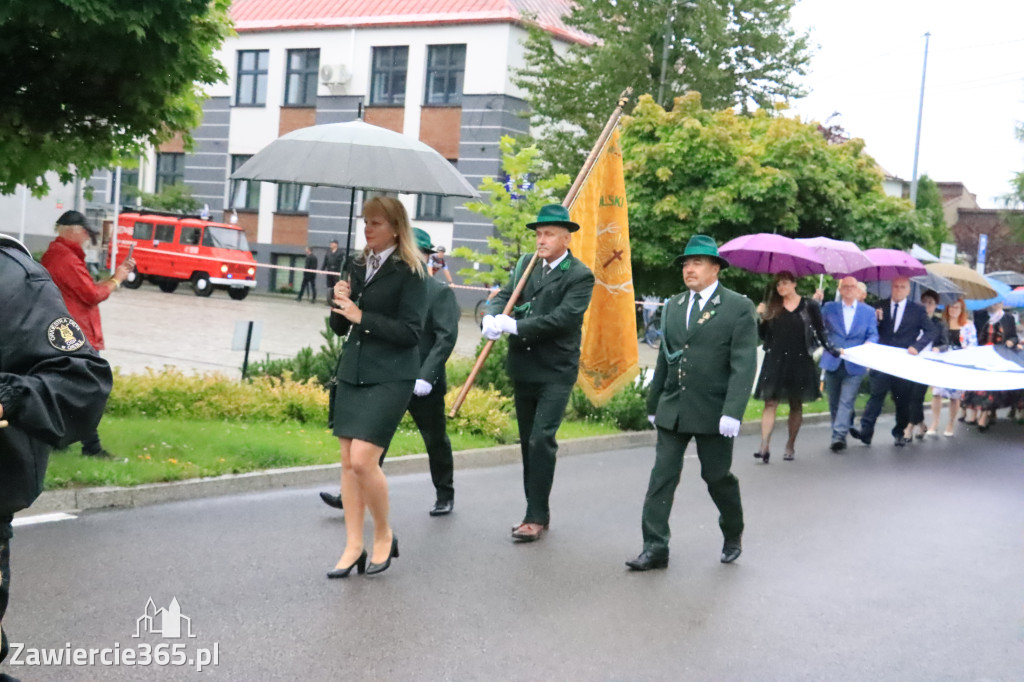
881 385
428 413
916 403
309 281
539 411
5 590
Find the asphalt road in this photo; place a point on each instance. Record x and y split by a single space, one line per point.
880 564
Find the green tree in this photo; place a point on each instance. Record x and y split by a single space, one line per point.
89 82
734 52
511 203
933 220
177 197
725 174
1015 199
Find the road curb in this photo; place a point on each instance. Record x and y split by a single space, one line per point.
82 499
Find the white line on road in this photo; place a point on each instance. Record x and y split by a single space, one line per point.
42 518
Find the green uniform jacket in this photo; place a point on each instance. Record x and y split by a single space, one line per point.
706 371
440 331
549 319
384 346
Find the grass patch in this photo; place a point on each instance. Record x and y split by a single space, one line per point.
756 407
174 449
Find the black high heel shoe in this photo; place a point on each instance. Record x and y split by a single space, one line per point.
373 568
763 456
360 566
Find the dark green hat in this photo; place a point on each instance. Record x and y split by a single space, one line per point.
554 215
701 245
422 240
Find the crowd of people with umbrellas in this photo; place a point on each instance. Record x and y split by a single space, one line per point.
921 310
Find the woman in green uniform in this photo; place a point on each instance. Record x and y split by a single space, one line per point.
380 306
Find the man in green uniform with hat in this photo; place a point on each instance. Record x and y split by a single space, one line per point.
700 389
440 331
543 353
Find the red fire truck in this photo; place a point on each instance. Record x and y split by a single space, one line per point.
170 249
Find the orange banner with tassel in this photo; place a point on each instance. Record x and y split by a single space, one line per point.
609 357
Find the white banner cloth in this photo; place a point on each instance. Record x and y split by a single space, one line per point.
970 369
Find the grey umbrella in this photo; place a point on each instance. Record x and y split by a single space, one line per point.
1014 279
356 155
947 290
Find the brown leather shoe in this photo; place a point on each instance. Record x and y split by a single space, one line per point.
528 532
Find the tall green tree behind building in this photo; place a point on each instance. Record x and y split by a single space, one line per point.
86 82
736 53
933 220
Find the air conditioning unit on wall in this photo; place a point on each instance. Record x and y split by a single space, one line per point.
334 74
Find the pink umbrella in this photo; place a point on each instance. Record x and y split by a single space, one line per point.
887 264
771 253
837 256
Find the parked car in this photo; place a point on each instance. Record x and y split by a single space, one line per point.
170 249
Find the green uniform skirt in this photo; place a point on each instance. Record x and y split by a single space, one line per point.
371 412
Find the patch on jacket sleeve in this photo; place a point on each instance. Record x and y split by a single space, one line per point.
64 334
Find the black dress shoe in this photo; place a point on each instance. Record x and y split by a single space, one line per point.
646 561
838 446
901 441
731 551
859 435
442 507
359 564
100 454
373 568
331 500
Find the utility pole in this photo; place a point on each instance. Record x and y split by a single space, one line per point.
920 110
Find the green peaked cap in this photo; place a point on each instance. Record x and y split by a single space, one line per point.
553 215
701 245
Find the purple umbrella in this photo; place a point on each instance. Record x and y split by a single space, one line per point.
771 253
887 264
837 256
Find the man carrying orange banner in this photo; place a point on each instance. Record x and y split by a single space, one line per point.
609 356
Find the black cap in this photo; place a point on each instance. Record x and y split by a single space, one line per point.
76 218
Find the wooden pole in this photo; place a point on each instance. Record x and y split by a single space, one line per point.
570 198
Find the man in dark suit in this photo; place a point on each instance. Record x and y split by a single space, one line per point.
440 331
543 353
849 323
308 277
332 266
701 386
902 324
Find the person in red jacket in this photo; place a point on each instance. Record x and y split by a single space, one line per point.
65 261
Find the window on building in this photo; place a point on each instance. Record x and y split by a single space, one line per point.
436 207
245 194
292 198
301 77
446 66
387 82
170 169
251 88
129 186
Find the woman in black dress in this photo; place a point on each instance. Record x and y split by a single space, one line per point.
381 308
791 329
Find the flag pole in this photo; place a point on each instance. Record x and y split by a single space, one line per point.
570 198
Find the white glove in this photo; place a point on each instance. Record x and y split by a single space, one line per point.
507 324
650 418
729 427
422 388
490 329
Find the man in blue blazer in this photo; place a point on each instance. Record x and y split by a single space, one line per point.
849 323
902 324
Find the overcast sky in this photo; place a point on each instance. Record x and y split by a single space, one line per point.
867 66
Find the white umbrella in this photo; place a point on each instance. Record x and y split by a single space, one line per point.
359 156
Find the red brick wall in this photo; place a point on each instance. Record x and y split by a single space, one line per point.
291 230
392 118
439 128
249 223
173 146
293 118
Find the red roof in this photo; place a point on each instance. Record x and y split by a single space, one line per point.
277 15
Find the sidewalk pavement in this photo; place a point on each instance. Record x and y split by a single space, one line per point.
82 499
